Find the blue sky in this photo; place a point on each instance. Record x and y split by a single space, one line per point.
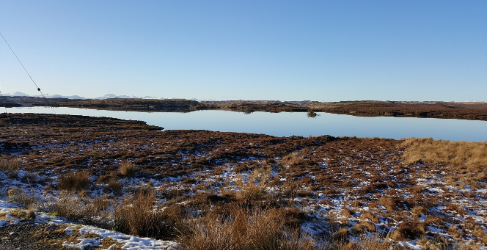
278 50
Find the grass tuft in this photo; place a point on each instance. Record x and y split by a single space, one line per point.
408 230
74 181
128 169
19 196
138 216
11 167
245 229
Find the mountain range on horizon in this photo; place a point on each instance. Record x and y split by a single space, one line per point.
107 96
77 97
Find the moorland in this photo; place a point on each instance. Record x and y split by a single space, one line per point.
433 109
66 180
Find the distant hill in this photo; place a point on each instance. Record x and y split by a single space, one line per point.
17 93
27 101
74 97
132 104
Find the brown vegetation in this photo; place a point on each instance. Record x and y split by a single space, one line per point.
245 229
443 110
138 216
23 199
472 155
128 169
131 104
191 185
10 165
74 181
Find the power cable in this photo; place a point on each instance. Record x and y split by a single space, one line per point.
32 79
38 89
37 86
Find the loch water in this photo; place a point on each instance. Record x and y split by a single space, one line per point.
292 123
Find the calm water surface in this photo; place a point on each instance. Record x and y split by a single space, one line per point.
297 123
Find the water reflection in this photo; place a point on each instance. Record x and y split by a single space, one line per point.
298 123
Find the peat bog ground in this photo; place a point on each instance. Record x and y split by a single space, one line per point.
105 183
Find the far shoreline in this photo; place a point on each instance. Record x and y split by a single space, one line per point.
420 109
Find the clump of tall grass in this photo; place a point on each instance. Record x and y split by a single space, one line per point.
20 197
74 181
243 229
30 213
409 230
114 186
255 186
365 242
138 216
10 167
78 207
447 153
128 169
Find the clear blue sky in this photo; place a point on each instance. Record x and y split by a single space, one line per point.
285 50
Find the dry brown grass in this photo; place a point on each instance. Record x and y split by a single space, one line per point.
109 243
370 216
22 214
340 236
408 230
453 231
244 229
128 169
10 165
23 199
419 210
365 242
29 178
13 191
447 153
138 216
171 193
290 189
319 169
390 203
436 243
74 181
346 213
362 227
78 207
31 212
455 208
254 188
114 186
479 232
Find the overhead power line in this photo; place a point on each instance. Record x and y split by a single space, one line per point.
32 79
